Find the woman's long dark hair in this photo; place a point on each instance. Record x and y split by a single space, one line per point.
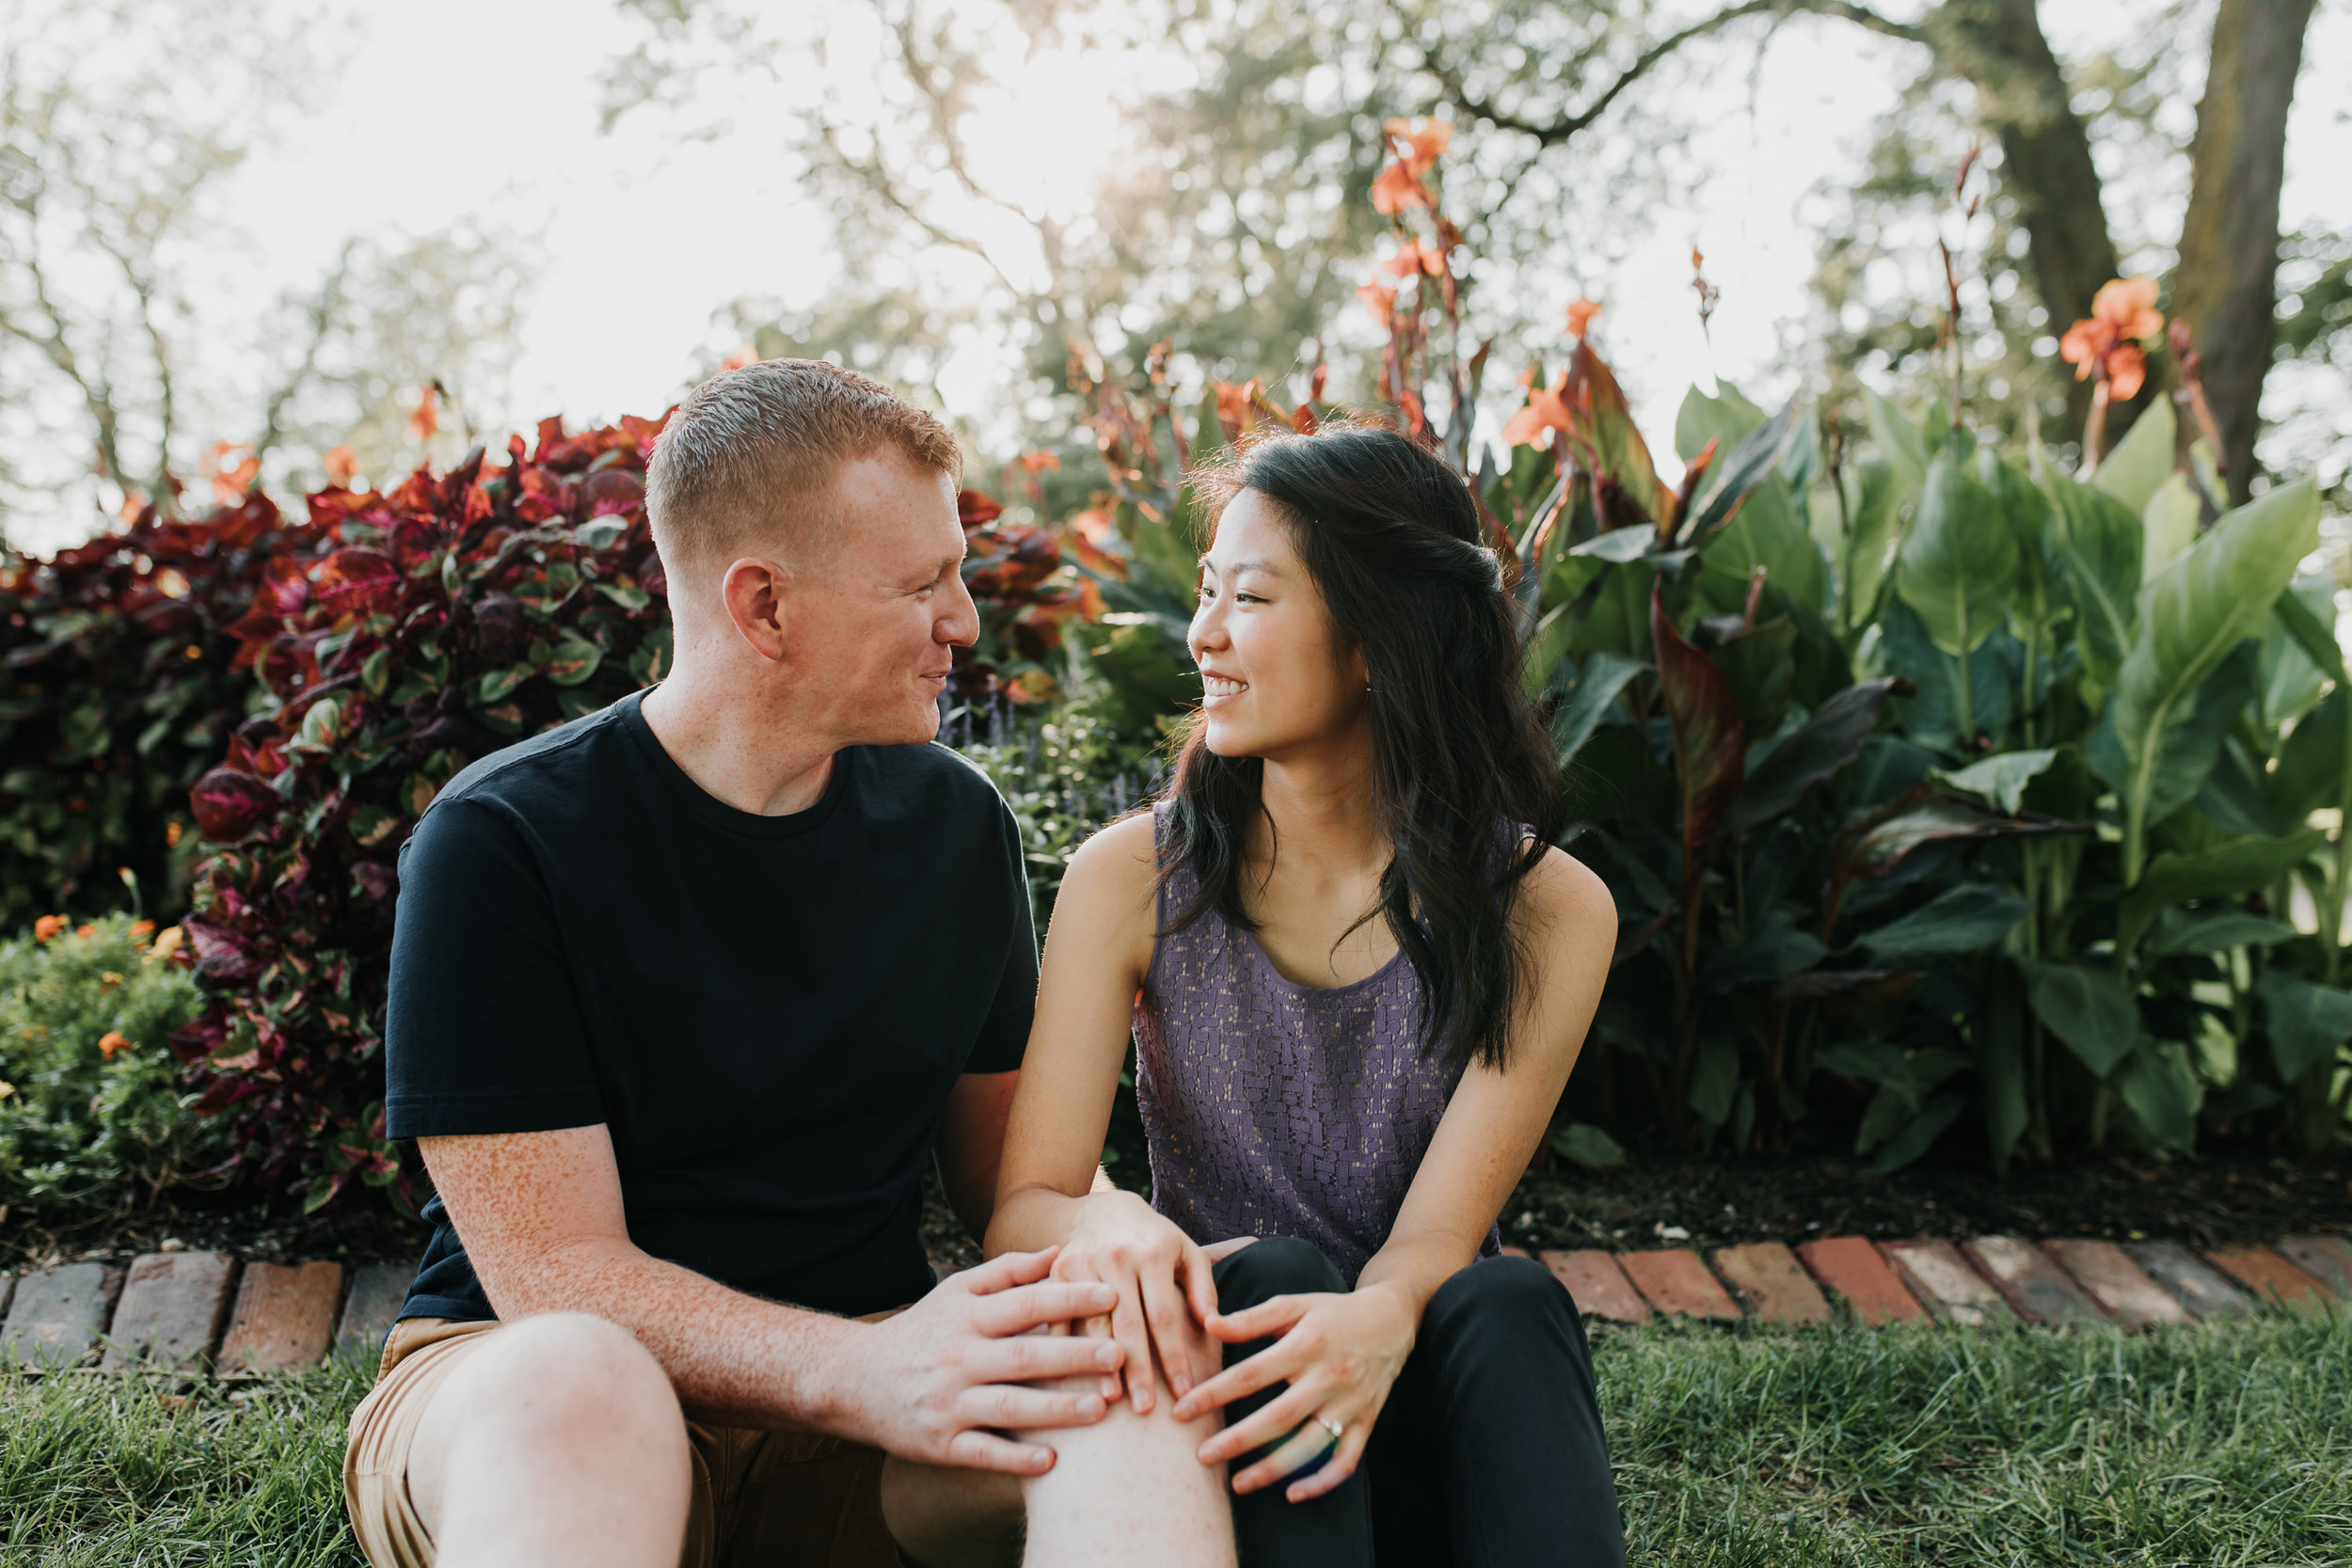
1393 542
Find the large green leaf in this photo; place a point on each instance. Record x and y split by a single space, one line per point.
1722 418
2293 678
1932 713
2001 779
2168 524
1758 667
2088 1008
1898 439
2213 930
2311 765
1958 567
1587 699
2038 599
1767 532
1752 460
1958 920
1714 1080
2140 460
2186 748
2210 599
1920 1134
2225 872
1815 750
2306 1022
2099 539
2159 1085
1874 534
1773 951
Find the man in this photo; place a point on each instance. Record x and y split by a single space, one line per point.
684 994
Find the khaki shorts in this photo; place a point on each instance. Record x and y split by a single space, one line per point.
781 1499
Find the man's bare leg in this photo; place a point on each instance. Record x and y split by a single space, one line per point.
559 1442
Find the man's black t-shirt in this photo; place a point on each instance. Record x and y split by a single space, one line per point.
768 1012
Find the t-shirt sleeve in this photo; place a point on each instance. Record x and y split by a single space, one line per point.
483 1032
1005 1036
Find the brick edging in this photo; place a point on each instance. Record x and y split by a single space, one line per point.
193 1312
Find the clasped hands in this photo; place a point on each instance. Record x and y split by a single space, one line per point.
1340 1352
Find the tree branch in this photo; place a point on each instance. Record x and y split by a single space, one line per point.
1552 132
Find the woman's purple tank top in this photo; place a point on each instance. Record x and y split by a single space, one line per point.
1278 1109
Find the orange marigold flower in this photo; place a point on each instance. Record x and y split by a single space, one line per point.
140 930
46 926
166 943
1580 316
111 1045
86 932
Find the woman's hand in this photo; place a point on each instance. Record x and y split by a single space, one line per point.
1340 1354
1164 1283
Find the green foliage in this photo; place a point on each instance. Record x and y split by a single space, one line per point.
91 1113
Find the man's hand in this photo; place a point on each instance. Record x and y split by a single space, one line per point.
930 1382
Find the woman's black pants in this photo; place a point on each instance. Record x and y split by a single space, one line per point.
1489 1452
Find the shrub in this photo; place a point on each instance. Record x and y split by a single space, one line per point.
117 690
91 1113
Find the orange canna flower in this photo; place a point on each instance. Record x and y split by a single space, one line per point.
1419 145
1580 316
46 926
111 1045
2127 368
2105 343
427 419
343 466
2130 303
1380 300
1545 410
1031 462
230 480
1397 188
1415 257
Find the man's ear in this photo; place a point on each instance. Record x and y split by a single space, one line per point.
757 593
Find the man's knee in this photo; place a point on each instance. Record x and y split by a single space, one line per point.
569 1378
1276 1266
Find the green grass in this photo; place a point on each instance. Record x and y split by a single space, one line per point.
2204 1446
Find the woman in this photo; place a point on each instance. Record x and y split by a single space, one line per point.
1359 975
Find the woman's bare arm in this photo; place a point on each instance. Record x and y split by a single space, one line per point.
1496 1120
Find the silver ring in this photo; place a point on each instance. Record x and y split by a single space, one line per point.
1339 1433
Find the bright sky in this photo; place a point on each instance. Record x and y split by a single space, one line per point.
639 237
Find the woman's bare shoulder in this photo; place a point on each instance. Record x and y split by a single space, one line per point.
1117 864
1568 900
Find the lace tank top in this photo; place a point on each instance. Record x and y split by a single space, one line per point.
1278 1109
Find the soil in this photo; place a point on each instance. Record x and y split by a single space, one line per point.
1657 1200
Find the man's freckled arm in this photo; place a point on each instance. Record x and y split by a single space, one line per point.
540 1213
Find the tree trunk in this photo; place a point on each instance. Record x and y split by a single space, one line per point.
2046 168
2046 150
2225 283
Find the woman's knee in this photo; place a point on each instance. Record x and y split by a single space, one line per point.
1496 1293
1274 1266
